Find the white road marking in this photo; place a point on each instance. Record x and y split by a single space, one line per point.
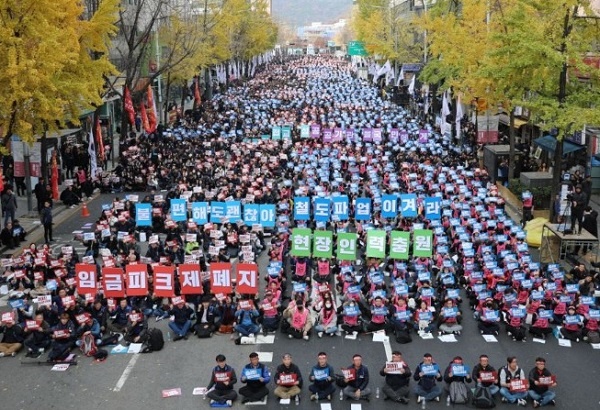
388 348
126 373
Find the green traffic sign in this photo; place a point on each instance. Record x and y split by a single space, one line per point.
357 48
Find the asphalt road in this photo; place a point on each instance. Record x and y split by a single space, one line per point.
136 381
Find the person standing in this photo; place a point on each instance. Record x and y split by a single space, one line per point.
397 378
9 205
256 376
579 202
46 219
222 379
357 377
40 194
322 377
288 379
540 382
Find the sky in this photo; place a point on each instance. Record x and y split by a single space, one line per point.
303 12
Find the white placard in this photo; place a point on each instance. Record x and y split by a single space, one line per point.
490 338
564 342
448 338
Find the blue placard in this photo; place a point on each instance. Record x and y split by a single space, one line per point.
301 208
299 287
537 295
321 374
426 292
379 311
251 214
389 206
424 276
200 212
354 289
401 289
362 210
460 370
217 211
16 304
322 209
267 215
594 313
572 319
546 314
179 210
518 312
427 315
340 205
408 205
452 294
143 214
572 287
450 312
491 315
402 315
252 374
433 208
233 211
430 369
351 310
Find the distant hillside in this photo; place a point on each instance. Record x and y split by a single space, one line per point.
303 12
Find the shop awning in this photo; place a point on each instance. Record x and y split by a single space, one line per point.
505 119
548 143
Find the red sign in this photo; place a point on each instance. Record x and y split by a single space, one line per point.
31 325
547 381
288 379
86 278
190 279
222 377
112 279
518 385
61 334
247 278
68 301
349 374
137 280
220 278
163 281
171 393
488 377
487 137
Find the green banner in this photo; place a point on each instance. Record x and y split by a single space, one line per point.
356 48
276 133
286 132
376 243
301 242
423 243
399 244
346 247
323 244
305 131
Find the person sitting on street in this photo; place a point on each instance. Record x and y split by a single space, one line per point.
12 338
322 378
541 380
511 391
246 317
37 337
456 372
181 323
120 313
357 378
256 376
63 336
69 197
426 374
485 375
327 320
299 319
397 379
222 380
137 327
288 379
206 318
270 313
450 318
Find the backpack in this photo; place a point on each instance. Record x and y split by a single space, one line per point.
593 337
483 399
155 340
459 394
88 345
403 337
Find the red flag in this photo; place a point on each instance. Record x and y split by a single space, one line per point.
144 115
54 177
99 140
152 121
197 99
129 106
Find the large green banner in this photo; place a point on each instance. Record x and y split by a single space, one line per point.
399 245
357 48
376 243
423 243
301 242
323 244
346 247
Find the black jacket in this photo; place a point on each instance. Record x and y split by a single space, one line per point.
396 381
13 334
293 369
219 385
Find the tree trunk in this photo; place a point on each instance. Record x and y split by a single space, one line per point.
167 98
511 152
183 96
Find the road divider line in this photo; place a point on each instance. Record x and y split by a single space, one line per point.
126 373
388 348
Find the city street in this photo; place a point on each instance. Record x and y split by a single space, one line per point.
136 381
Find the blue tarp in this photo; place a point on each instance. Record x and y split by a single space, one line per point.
548 143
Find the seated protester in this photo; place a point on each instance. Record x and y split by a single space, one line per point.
322 378
540 323
6 236
327 320
246 318
288 379
270 313
378 314
12 337
100 314
426 374
485 375
456 372
181 323
90 326
37 336
25 312
489 320
424 319
69 197
137 327
401 315
226 312
357 378
540 382
119 322
323 271
572 325
63 338
206 318
18 232
449 319
590 330
299 319
397 378
256 376
515 324
351 319
511 391
222 379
